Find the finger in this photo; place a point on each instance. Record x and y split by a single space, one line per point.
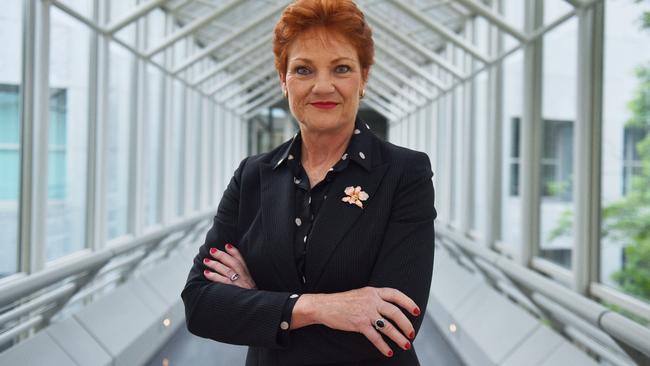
219 268
396 315
375 338
398 297
233 251
226 259
215 277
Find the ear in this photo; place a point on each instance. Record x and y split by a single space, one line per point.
283 81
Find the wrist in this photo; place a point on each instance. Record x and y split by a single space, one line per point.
305 312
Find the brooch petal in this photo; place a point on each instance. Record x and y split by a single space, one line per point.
355 196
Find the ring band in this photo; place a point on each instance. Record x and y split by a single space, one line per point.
380 323
234 277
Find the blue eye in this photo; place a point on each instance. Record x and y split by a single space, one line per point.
342 69
301 70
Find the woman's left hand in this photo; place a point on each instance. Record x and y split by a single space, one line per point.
223 265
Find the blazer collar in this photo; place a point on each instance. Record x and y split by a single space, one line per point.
359 150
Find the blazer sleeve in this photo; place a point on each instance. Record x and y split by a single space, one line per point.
405 262
227 313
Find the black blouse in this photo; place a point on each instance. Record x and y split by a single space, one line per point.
309 200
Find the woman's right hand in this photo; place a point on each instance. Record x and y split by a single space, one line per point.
356 311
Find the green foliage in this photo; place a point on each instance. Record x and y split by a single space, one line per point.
628 219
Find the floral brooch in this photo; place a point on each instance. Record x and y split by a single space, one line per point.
355 195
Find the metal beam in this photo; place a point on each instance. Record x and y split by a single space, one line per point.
237 56
380 109
442 30
267 104
399 90
250 67
388 96
190 28
416 46
493 18
259 90
258 102
136 13
417 87
411 65
219 43
250 82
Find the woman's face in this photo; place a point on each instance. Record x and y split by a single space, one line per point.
324 80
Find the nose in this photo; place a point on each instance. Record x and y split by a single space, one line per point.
323 84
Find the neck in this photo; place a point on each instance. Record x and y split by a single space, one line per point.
323 149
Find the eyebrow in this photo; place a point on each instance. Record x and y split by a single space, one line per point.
333 61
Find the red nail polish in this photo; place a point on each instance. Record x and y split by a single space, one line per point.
390 353
407 345
228 246
213 250
206 272
206 260
416 311
412 334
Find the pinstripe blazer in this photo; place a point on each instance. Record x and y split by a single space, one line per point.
387 243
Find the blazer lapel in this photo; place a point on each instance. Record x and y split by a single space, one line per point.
277 201
337 217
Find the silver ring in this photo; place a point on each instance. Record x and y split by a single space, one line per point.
234 277
380 323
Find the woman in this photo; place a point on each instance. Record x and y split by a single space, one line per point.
321 252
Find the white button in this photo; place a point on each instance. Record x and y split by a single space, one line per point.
304 280
356 131
293 296
368 127
284 325
331 169
345 156
362 155
325 197
310 200
290 157
296 180
298 221
304 239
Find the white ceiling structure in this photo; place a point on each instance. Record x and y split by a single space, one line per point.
412 66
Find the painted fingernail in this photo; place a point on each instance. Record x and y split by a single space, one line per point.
206 260
407 345
416 311
390 353
228 246
213 250
412 334
206 272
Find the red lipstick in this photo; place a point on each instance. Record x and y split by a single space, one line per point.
324 105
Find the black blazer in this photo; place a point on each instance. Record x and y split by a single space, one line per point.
388 243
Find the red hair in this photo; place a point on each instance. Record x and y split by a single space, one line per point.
338 16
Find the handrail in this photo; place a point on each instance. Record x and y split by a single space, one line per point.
619 327
21 287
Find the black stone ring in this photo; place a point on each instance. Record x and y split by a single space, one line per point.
380 323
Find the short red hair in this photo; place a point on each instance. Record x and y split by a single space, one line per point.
340 16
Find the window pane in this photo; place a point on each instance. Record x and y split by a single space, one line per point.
152 138
625 244
178 133
68 132
512 104
559 84
10 73
117 148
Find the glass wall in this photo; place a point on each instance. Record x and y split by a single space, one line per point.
10 133
625 170
68 135
559 101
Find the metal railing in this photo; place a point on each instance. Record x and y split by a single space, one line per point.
606 333
29 302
